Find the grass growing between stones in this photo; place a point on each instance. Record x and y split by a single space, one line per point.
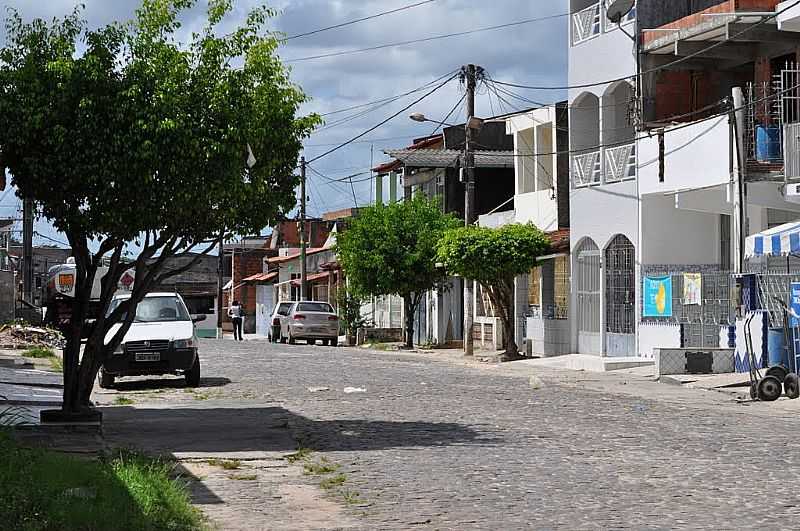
300 455
44 490
123 401
352 497
324 466
333 482
243 477
39 353
226 464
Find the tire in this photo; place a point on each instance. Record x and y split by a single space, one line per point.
291 339
193 374
778 371
326 342
769 389
311 342
791 385
105 380
335 342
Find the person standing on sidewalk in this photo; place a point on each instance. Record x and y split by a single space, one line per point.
235 313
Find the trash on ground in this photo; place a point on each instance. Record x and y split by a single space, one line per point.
535 382
318 389
17 335
349 390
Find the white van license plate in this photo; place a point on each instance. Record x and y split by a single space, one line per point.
148 356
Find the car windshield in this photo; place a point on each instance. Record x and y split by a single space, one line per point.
156 310
322 307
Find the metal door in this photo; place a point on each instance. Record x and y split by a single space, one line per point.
587 289
620 297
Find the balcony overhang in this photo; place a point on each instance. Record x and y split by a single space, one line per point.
740 39
450 158
789 16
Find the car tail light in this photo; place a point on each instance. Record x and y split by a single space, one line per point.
332 318
299 317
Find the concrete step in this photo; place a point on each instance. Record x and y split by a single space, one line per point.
587 362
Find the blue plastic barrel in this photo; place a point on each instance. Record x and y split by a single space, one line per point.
776 348
768 143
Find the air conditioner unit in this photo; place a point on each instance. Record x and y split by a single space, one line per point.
791 192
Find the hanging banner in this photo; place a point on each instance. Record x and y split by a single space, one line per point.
794 304
692 289
657 297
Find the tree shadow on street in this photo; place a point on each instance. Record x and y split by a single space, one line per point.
166 383
198 432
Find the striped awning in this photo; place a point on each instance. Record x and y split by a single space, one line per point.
777 241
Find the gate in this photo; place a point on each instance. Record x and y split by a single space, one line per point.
587 288
620 297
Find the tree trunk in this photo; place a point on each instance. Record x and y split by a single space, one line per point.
409 311
502 296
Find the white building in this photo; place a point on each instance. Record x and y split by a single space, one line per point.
656 163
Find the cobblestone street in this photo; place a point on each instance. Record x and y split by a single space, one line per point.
438 445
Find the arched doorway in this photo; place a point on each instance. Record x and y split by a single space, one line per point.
618 133
620 300
587 288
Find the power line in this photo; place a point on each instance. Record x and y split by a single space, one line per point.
662 67
425 39
370 17
340 146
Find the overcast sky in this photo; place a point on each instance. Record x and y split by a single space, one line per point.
533 53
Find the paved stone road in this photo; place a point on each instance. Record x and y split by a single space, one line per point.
434 445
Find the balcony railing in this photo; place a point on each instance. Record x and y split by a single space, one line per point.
586 24
606 166
586 169
620 163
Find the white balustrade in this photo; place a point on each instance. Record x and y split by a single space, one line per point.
620 163
586 169
586 24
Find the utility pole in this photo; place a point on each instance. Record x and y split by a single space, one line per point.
27 250
469 73
220 276
303 272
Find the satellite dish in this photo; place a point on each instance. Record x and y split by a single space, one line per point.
617 9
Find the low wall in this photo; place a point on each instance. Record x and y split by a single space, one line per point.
694 361
548 337
379 335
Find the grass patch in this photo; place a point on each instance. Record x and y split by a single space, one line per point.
45 490
300 455
39 353
56 364
227 464
352 497
321 468
333 481
123 401
243 477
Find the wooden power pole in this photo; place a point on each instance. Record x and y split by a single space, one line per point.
303 272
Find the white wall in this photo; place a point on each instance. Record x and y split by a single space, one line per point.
673 236
601 212
538 208
694 157
608 56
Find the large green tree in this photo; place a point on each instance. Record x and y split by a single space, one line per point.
127 138
494 258
391 250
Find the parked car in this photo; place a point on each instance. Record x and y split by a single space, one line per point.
161 340
311 321
279 315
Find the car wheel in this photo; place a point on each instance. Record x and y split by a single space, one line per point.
193 375
335 342
105 380
291 339
326 342
311 342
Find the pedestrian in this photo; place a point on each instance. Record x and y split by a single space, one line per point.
235 313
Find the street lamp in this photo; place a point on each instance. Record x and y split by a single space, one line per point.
419 117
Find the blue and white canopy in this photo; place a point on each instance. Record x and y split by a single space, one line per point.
777 241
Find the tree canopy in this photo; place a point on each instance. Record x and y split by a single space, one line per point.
122 134
391 250
493 258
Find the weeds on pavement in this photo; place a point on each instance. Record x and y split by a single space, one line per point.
123 401
333 481
227 464
300 455
324 466
39 353
243 477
